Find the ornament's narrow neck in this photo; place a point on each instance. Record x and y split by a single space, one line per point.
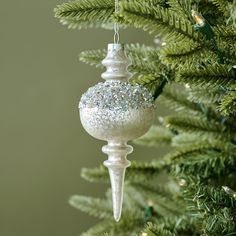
116 63
117 164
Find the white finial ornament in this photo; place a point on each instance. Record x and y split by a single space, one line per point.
117 111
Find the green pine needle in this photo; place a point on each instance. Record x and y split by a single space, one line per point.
200 147
196 125
177 99
96 207
222 5
212 76
155 230
228 104
153 18
155 137
86 13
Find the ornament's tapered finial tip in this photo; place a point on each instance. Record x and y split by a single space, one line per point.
117 164
117 217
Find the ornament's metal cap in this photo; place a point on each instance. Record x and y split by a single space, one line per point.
115 46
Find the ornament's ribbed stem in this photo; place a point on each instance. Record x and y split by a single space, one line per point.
116 63
117 164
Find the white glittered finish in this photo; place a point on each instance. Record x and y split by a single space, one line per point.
117 111
117 126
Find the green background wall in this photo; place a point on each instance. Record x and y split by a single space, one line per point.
42 143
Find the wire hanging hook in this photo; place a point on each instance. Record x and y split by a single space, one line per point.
116 25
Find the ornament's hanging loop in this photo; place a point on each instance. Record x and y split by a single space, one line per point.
116 25
116 34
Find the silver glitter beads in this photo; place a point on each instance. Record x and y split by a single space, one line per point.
117 111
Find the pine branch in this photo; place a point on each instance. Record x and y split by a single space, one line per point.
177 99
223 6
211 77
155 85
99 174
181 225
206 96
182 7
178 55
228 104
162 199
232 18
155 137
226 36
99 229
216 164
183 100
225 33
217 209
228 50
200 147
96 207
93 57
132 219
197 125
220 222
188 138
154 19
130 224
155 230
134 199
85 13
183 139
142 63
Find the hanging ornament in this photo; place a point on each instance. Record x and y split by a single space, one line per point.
116 111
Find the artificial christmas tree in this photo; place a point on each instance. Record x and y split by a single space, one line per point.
192 71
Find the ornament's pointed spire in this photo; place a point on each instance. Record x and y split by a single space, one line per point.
117 164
